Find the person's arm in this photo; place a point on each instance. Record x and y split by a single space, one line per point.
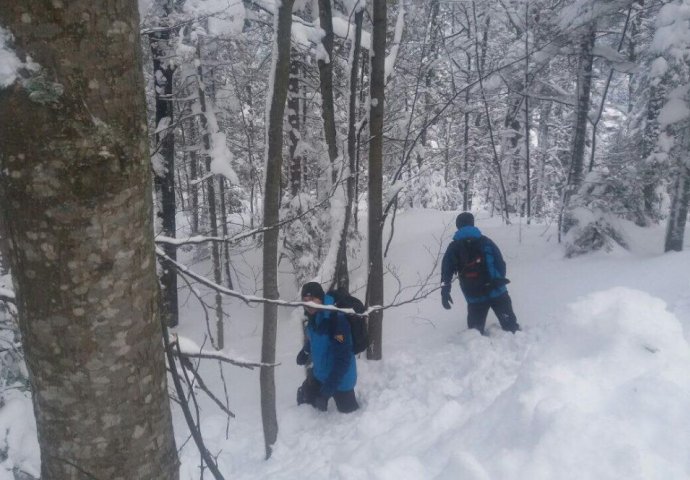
304 355
448 266
341 345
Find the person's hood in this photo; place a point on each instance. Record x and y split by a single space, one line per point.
467 232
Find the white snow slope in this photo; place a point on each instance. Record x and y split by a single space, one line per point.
594 387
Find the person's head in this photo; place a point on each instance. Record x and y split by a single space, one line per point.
312 292
465 219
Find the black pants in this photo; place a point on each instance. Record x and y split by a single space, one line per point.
502 307
345 402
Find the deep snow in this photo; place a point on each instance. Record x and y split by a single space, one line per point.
594 387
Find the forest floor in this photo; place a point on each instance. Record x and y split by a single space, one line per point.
595 386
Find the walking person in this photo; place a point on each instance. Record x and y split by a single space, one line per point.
329 348
482 274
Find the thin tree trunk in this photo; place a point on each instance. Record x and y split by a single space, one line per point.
326 84
375 220
211 197
584 87
163 71
338 270
543 152
224 229
595 123
77 209
432 56
253 177
362 102
680 199
293 106
480 72
528 179
342 277
194 189
274 160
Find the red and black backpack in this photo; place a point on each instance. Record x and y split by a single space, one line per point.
475 279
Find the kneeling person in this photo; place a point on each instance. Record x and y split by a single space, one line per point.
329 347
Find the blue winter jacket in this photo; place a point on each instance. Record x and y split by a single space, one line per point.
330 345
495 264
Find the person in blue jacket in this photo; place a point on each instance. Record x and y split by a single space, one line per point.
329 348
482 273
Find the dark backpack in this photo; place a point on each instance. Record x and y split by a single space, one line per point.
358 324
472 269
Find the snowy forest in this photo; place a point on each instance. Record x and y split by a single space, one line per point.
172 172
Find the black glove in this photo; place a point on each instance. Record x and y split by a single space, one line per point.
321 403
446 301
303 357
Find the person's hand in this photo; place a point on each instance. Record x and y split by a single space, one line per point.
302 357
446 301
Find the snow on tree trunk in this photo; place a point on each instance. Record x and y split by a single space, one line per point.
77 212
274 158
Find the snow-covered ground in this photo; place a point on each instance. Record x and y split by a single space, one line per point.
594 387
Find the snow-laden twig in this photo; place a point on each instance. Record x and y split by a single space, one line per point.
189 349
420 294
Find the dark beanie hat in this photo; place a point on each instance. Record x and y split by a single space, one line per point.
313 289
465 219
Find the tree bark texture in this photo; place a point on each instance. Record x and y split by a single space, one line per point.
274 160
163 72
375 217
77 215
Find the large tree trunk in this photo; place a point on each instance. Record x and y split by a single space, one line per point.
164 174
77 211
274 161
375 220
